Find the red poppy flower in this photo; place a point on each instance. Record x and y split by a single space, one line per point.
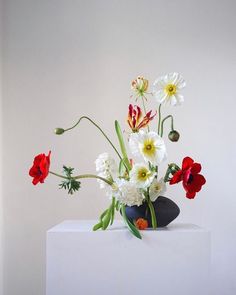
136 119
40 169
189 175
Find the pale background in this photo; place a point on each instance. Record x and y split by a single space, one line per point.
64 59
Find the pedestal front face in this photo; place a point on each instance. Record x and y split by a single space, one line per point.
172 260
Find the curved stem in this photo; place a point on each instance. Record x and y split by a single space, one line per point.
145 112
83 176
58 175
93 176
162 124
100 129
159 119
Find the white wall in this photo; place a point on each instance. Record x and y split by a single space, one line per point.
63 59
1 195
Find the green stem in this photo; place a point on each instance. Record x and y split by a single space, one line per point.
125 159
83 176
162 124
166 177
145 112
159 119
156 172
144 108
99 128
152 211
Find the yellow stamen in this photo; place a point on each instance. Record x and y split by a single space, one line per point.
143 174
149 148
170 89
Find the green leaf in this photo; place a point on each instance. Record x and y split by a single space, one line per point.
106 219
97 226
70 184
117 205
122 146
103 214
133 229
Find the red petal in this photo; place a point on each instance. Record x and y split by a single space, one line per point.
139 113
196 168
199 181
196 184
38 159
190 195
148 115
130 112
33 171
186 175
130 124
187 163
177 177
35 181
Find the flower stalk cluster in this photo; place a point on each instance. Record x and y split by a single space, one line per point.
134 179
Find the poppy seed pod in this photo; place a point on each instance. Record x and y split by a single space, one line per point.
174 135
59 131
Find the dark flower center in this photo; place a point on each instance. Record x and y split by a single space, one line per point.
190 179
39 171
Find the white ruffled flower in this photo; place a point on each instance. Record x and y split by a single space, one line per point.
167 88
156 189
141 176
149 145
106 168
127 193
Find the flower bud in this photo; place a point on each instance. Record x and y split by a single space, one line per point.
59 131
174 135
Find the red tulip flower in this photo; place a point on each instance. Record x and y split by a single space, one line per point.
136 120
40 169
189 175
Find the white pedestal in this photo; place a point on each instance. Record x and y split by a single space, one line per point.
172 260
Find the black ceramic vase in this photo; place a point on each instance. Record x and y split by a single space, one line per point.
166 211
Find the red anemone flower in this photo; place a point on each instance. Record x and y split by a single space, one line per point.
189 175
40 169
136 119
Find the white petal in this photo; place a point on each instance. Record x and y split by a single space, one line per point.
172 78
180 99
160 96
173 100
159 82
181 83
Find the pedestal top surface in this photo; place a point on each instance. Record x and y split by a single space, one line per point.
118 225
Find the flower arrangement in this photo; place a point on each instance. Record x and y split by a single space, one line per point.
134 182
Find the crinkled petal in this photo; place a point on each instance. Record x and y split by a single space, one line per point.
177 177
196 168
190 195
187 163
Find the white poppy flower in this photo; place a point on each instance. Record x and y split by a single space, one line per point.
166 89
149 145
141 176
156 189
